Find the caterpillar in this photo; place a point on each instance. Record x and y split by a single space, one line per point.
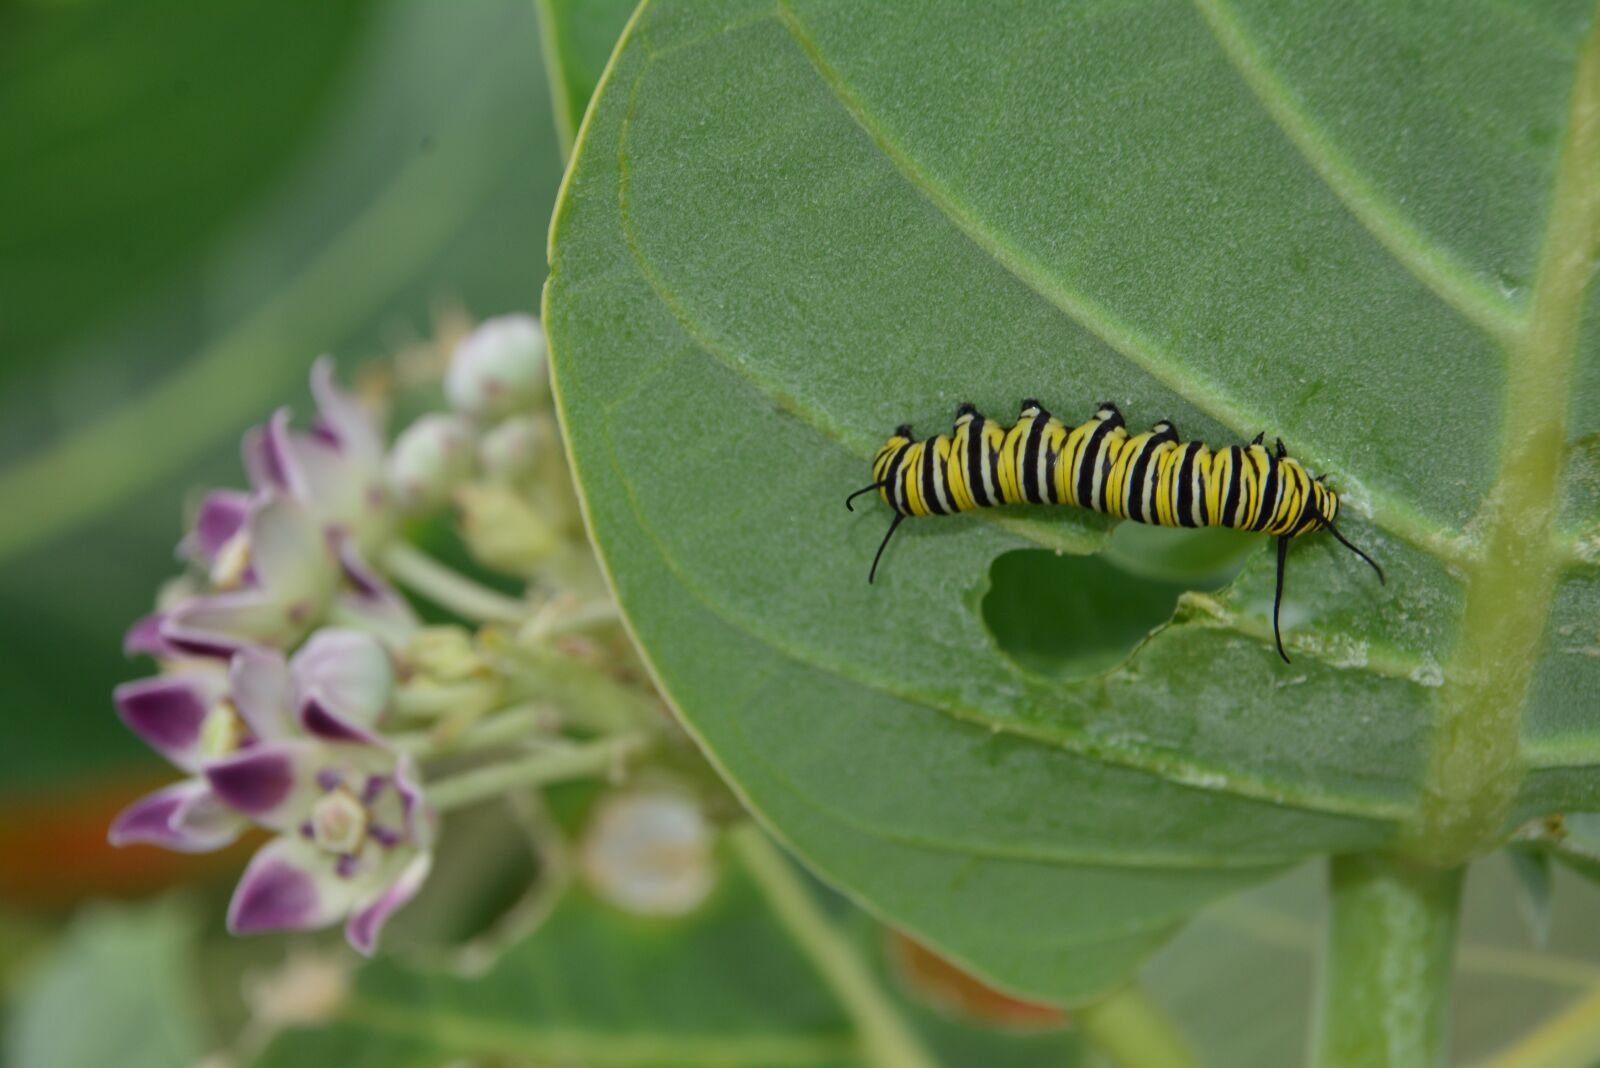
1151 477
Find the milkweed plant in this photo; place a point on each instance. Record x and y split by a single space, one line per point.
298 689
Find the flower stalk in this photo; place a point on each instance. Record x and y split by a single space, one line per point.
1386 968
552 764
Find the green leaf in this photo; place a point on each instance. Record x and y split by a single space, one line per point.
578 36
727 987
789 228
116 990
1532 869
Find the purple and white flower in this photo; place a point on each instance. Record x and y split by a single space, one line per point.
292 553
292 746
354 842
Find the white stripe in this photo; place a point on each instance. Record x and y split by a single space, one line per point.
940 487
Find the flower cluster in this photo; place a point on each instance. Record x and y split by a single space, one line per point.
285 651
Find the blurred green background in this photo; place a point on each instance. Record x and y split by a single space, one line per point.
196 200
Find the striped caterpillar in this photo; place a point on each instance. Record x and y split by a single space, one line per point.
1150 478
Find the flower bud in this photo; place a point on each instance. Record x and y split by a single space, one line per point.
650 852
429 459
508 451
503 530
497 369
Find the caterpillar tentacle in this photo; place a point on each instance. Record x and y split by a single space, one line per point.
1149 477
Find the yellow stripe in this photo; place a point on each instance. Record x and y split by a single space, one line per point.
955 472
1010 489
911 471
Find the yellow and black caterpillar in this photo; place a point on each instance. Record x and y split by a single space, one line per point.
1150 478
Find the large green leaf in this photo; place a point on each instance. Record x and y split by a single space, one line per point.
789 228
727 987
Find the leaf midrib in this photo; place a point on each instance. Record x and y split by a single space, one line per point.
1477 763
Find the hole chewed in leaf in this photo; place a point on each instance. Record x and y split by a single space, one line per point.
1071 617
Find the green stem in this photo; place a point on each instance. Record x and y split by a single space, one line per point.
1476 766
448 588
1386 967
582 618
428 701
887 1040
587 697
539 769
1131 1031
513 724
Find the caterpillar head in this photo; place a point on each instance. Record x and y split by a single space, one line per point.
880 462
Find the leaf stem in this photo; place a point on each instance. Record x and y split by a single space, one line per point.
555 764
1386 968
1131 1031
512 724
887 1040
1569 1039
448 588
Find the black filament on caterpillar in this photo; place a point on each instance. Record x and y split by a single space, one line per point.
1150 478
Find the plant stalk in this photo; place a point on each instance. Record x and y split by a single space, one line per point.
887 1039
1387 963
1131 1031
449 589
539 769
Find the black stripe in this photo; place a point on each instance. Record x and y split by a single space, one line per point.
1030 460
1186 484
897 481
1136 487
975 462
1269 495
1091 457
1052 457
1235 481
930 501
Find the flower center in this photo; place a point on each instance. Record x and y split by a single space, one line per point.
223 732
339 822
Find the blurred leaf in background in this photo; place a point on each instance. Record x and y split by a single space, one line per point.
193 204
126 972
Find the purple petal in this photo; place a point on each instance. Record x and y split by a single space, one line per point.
372 605
263 473
145 637
259 679
320 722
273 783
169 713
184 817
419 817
289 885
364 925
347 672
278 453
222 514
356 432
